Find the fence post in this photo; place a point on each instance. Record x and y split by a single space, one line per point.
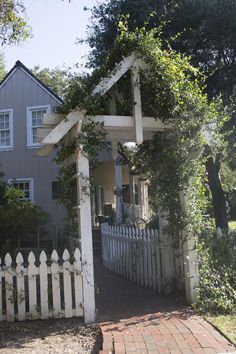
43 275
20 272
56 299
32 286
9 288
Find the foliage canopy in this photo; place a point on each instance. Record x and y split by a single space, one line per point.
177 99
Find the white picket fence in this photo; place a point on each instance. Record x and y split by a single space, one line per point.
138 255
39 292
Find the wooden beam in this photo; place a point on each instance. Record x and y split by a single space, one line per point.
107 82
45 150
114 122
64 126
42 133
137 106
52 118
125 135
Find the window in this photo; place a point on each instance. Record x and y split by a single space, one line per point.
57 192
6 129
25 185
34 121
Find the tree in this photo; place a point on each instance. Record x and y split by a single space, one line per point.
18 217
206 30
2 67
56 79
13 26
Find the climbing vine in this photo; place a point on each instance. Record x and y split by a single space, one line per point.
172 91
90 140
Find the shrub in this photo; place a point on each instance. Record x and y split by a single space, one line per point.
217 274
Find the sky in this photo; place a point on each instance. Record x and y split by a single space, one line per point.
56 24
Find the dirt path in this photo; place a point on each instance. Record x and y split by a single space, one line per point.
49 337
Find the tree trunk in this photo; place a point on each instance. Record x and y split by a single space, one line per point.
218 196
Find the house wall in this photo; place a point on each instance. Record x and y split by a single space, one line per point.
18 92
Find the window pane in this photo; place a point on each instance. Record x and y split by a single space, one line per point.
6 126
23 187
36 122
34 135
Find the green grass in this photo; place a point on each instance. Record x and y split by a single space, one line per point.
226 324
232 225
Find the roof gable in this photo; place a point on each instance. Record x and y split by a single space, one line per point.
19 65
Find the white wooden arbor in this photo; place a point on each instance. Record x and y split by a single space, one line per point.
135 128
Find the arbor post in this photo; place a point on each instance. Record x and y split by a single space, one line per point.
85 234
189 259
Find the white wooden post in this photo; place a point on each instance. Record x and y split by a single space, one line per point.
67 284
93 207
20 271
43 275
131 189
56 299
85 232
167 254
78 283
9 289
189 259
118 189
141 197
137 107
32 271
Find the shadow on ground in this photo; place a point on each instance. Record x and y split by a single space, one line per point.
118 298
49 336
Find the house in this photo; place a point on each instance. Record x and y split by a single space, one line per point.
23 101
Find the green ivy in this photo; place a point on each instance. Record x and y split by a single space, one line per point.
217 274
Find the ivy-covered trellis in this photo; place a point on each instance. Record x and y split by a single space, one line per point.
155 98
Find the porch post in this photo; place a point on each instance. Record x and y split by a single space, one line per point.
118 190
131 189
142 198
85 234
93 207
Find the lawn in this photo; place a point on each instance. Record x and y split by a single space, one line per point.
232 225
226 324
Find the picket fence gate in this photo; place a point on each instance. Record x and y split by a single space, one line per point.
40 292
138 255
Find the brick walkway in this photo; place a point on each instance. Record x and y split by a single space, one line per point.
136 320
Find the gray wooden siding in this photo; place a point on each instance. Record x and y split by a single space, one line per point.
19 92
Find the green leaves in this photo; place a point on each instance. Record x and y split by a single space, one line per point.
13 26
18 217
217 274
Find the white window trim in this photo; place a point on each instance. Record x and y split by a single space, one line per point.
29 124
11 146
31 185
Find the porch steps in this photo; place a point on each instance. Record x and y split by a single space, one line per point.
97 242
